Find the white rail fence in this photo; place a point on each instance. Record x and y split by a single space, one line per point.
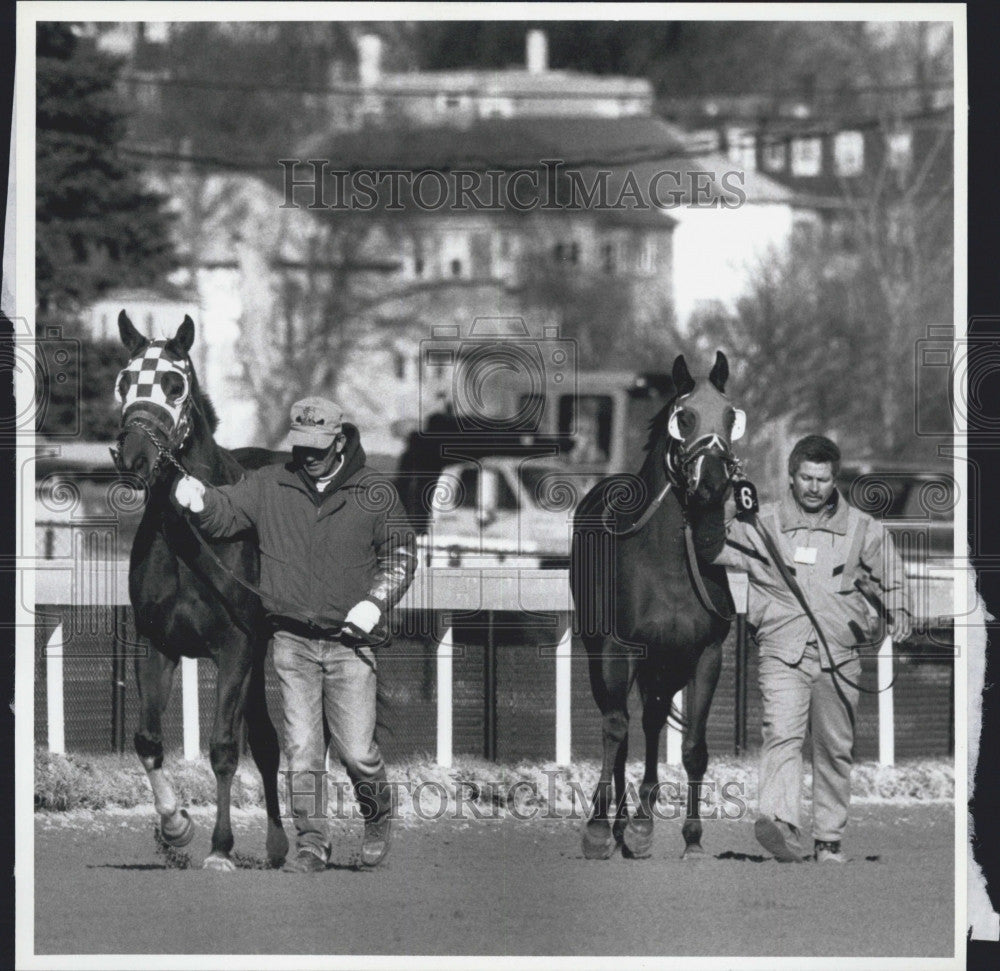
446 589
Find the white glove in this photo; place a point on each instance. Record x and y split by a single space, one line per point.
364 616
190 493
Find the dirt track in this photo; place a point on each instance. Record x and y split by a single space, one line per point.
500 887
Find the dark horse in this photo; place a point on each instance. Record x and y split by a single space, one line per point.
184 603
638 608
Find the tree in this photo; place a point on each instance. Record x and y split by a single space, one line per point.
86 395
254 91
97 226
827 342
617 320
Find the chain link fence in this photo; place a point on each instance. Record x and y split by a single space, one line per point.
503 692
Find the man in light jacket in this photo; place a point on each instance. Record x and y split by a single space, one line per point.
336 549
851 576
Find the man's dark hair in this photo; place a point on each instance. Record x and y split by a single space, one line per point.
814 448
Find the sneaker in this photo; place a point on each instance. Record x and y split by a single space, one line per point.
779 838
375 843
305 861
828 851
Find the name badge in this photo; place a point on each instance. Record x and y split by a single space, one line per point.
805 554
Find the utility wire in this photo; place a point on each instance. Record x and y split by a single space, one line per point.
655 153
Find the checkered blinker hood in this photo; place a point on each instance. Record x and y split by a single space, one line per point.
152 378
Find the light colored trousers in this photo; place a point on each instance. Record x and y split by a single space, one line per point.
323 677
797 696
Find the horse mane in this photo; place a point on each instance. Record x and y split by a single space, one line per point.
203 402
658 425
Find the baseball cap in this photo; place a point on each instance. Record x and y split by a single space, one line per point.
316 422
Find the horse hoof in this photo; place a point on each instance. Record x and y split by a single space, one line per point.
598 841
216 861
619 827
693 851
182 838
277 847
638 839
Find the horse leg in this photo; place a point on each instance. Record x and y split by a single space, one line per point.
639 834
610 679
230 699
621 795
154 675
263 741
694 750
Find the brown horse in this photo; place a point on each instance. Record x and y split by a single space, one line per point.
638 607
184 603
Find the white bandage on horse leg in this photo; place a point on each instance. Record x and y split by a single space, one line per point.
163 793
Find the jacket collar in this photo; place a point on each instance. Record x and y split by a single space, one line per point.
350 468
833 519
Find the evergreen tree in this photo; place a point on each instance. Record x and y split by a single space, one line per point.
97 226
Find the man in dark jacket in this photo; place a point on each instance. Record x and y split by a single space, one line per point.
337 551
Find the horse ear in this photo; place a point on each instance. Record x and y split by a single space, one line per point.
131 338
682 376
184 337
720 372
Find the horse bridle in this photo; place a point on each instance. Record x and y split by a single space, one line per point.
164 450
679 457
172 439
677 480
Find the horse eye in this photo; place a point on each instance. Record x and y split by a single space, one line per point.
685 419
172 385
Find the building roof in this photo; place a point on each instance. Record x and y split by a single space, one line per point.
504 143
636 148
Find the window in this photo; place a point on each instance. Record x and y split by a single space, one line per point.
705 140
456 256
609 257
773 156
849 153
496 108
742 148
807 157
587 418
450 103
566 252
899 149
505 498
647 254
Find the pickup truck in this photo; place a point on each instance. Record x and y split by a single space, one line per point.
505 511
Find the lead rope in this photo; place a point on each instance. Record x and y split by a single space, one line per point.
325 627
792 584
699 583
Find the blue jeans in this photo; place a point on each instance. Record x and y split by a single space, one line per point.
323 677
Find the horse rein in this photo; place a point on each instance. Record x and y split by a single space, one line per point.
779 561
735 469
323 627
